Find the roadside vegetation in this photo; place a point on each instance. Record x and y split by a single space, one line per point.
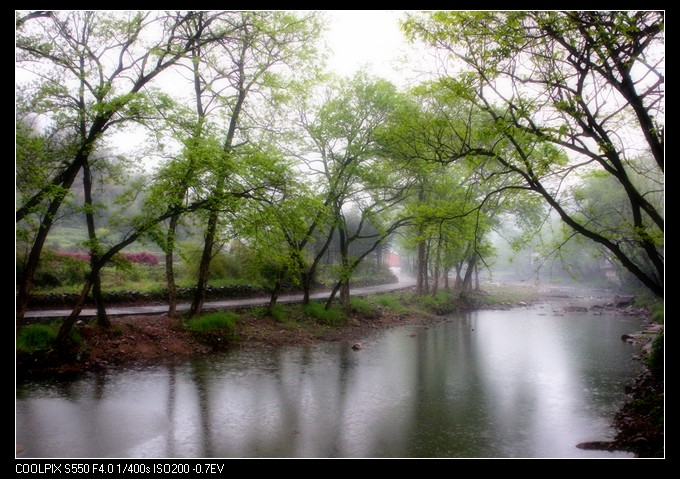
221 328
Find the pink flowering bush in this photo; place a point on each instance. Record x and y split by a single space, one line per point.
141 258
138 258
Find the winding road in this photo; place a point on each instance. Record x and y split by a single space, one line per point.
403 283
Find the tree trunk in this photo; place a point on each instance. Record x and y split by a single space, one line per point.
63 336
436 273
275 292
306 286
204 267
307 275
102 318
345 299
26 280
467 280
343 283
274 297
170 268
459 280
421 270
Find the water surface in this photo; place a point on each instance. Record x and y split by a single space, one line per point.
518 383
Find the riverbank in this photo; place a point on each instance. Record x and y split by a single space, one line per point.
136 340
150 339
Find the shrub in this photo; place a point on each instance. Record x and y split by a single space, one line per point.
655 358
215 328
441 303
657 311
61 269
389 302
362 307
34 337
280 314
77 255
141 258
331 317
39 337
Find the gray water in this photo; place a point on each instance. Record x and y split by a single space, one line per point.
520 383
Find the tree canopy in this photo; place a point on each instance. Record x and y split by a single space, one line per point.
532 113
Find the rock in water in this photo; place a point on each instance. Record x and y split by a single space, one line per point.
357 346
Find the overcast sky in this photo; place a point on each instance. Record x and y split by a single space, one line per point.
372 39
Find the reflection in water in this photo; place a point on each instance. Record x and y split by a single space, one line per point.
517 383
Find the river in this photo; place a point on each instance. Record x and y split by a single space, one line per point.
530 382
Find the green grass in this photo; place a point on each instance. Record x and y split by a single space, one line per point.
389 301
331 317
40 337
279 313
656 357
655 305
362 306
215 328
441 303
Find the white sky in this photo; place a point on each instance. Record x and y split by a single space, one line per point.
372 39
369 39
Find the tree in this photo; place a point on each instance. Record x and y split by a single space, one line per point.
276 231
262 50
586 83
141 225
343 154
90 70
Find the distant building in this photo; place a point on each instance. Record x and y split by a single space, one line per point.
393 259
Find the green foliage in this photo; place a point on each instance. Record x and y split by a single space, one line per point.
56 271
225 265
281 314
39 337
330 317
36 337
440 303
218 327
284 314
362 307
390 302
655 359
534 131
658 312
651 407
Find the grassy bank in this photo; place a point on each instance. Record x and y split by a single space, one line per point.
312 320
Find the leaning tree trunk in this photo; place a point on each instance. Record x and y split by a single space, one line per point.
63 336
26 280
467 280
204 267
102 318
307 275
459 279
